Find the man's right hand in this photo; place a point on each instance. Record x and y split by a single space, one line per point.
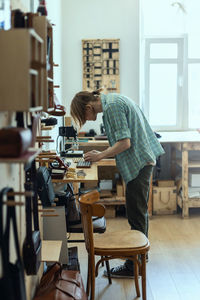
92 156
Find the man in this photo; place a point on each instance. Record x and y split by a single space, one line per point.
134 146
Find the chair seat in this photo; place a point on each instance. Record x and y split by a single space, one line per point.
99 226
125 240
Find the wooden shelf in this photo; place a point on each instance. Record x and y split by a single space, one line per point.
47 127
113 201
51 250
29 156
192 202
20 84
191 164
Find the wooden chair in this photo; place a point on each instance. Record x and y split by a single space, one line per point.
121 244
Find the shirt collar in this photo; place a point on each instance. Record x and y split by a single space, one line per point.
103 101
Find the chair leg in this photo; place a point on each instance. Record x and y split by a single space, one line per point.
143 273
92 295
88 278
102 264
136 277
108 271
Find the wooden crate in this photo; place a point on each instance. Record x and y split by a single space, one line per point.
164 200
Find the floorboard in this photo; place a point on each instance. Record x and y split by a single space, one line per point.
173 270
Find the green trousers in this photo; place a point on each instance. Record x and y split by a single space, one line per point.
137 194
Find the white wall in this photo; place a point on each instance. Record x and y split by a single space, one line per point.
99 19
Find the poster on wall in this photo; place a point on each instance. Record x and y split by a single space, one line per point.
5 22
101 65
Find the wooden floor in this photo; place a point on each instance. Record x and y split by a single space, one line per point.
173 270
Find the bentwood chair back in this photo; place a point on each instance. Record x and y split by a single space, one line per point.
133 245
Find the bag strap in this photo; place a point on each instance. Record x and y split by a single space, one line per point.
31 202
35 197
4 254
11 217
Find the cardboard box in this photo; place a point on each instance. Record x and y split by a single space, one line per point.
166 183
164 200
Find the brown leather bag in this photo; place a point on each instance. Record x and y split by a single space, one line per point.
60 284
14 142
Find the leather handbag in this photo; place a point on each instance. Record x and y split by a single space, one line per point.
14 142
12 284
32 243
60 284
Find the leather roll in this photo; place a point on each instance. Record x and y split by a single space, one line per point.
14 142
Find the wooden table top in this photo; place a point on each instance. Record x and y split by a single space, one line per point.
91 174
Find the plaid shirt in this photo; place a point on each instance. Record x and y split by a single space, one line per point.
122 119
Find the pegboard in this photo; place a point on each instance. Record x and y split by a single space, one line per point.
101 65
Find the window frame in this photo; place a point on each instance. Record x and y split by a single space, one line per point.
182 62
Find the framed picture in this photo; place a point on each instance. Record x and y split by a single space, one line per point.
100 59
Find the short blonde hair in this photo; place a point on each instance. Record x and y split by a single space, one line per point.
78 104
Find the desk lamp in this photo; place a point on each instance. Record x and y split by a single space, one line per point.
70 132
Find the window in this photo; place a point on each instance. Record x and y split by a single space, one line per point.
172 84
170 77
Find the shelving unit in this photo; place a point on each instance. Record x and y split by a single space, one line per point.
26 85
44 29
22 65
183 200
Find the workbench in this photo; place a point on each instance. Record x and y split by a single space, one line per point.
184 142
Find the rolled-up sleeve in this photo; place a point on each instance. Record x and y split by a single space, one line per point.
117 121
